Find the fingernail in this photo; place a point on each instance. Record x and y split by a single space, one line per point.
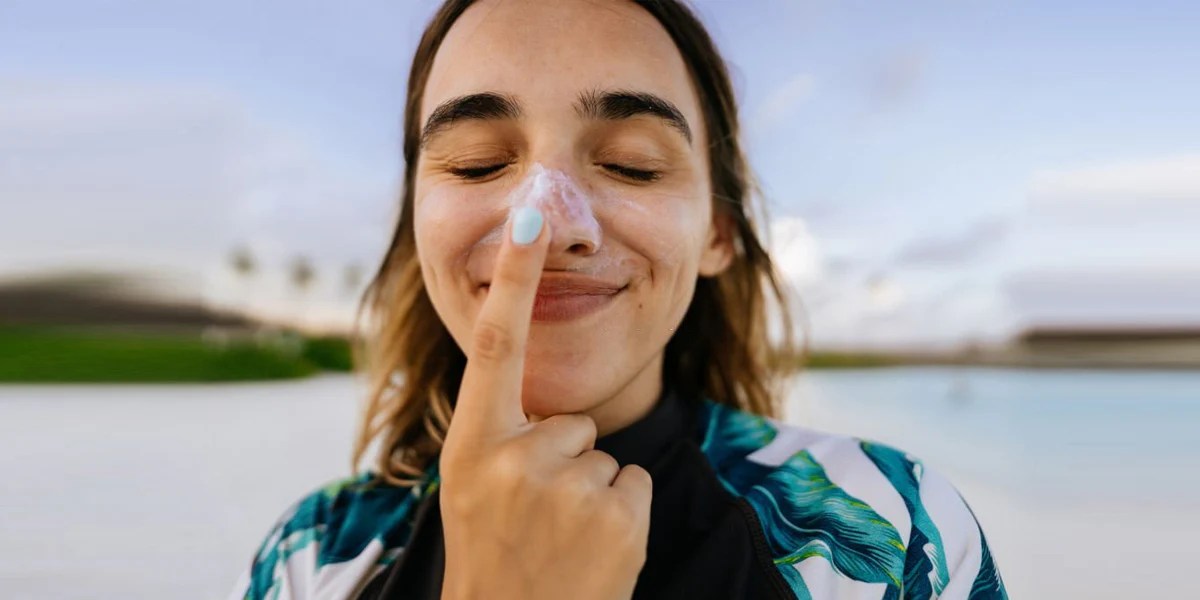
527 223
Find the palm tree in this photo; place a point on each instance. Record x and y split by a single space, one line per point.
244 266
352 277
302 274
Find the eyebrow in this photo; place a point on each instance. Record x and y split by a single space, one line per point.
623 104
481 106
612 105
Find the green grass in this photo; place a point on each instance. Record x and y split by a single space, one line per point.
30 354
56 355
836 360
843 360
329 353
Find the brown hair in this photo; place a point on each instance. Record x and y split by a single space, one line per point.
719 351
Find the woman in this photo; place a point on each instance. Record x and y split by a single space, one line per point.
575 277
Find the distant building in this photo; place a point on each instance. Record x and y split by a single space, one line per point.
1106 317
101 300
1112 346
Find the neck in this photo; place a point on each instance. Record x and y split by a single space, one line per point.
632 402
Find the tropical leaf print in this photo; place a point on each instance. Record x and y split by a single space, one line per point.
988 585
796 582
730 435
804 514
339 521
925 571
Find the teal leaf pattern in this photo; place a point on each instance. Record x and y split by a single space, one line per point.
793 578
340 519
802 512
730 435
988 585
805 515
925 571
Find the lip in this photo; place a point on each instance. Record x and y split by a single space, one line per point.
566 297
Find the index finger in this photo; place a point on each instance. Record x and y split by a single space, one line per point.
490 395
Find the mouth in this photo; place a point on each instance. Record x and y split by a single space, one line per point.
567 298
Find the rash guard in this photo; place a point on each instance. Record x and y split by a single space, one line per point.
743 507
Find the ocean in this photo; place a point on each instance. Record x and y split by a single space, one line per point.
1087 483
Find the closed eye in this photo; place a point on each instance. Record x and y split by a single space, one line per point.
471 173
631 173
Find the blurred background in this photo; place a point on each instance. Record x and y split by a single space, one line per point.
988 210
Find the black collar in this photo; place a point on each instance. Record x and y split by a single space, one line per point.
644 440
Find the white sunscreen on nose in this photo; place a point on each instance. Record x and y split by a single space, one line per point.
562 202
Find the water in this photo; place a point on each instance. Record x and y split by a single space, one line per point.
1086 482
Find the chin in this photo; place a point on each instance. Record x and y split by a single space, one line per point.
556 391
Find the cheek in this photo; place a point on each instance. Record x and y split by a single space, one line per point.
448 225
667 230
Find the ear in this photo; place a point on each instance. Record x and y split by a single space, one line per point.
718 250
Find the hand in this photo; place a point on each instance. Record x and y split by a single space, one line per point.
531 510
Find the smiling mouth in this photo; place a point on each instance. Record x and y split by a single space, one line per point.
569 299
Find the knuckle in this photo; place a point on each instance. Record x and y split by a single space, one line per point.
571 424
585 480
506 463
638 477
492 342
617 514
606 464
509 468
572 488
634 482
587 425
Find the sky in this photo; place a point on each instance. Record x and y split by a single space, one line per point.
935 172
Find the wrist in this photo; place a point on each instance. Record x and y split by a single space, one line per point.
482 583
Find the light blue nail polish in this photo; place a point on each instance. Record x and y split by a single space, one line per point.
527 223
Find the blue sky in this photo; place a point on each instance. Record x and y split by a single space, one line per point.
936 171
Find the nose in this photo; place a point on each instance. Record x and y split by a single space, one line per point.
568 209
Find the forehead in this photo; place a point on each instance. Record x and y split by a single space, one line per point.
546 53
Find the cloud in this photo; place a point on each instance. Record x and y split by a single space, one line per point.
855 294
884 294
963 247
1171 181
899 310
782 102
795 251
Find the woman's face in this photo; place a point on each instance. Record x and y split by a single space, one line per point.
584 109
